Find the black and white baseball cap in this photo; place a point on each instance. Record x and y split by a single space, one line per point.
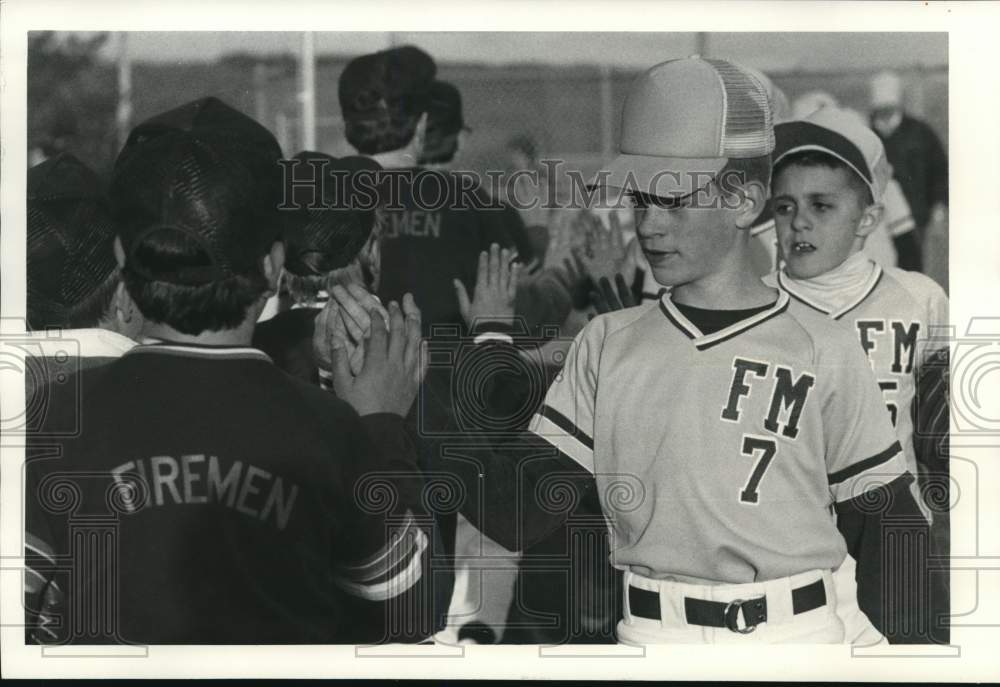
843 134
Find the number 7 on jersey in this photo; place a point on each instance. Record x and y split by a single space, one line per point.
764 449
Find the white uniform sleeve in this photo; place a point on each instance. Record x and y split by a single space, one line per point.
566 418
937 321
933 303
862 451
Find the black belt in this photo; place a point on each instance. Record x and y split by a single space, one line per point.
646 604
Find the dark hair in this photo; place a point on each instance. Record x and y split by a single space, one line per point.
390 129
191 310
89 311
817 158
742 170
439 147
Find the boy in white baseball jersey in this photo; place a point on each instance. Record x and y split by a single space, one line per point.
718 429
830 177
830 181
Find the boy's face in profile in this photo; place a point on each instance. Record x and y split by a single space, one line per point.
817 212
688 239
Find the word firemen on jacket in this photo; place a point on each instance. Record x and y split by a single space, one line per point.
198 479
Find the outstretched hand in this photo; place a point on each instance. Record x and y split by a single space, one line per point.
394 365
604 253
346 318
607 298
495 291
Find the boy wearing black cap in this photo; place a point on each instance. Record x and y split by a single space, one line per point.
72 278
446 128
435 224
246 506
78 312
331 239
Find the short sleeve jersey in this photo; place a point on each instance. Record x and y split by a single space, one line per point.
898 320
718 457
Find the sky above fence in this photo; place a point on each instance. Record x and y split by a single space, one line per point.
822 52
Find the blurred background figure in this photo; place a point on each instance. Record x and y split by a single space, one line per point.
807 103
921 167
433 232
446 128
530 190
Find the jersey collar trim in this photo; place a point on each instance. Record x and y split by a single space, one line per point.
88 342
703 342
159 346
873 281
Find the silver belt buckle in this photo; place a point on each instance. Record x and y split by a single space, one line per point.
732 615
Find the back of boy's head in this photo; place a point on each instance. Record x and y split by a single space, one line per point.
329 235
382 97
444 124
195 193
837 139
71 269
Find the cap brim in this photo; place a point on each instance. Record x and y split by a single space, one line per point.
659 176
849 160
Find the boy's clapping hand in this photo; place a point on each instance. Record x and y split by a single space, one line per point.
496 287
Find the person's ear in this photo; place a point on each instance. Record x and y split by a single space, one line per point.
752 198
460 141
369 261
871 216
273 263
119 252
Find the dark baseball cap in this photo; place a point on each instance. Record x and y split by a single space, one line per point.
398 79
205 178
70 237
330 234
444 113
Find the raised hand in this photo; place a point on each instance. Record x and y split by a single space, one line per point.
605 250
346 319
356 305
496 287
330 326
608 298
562 236
414 356
394 364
